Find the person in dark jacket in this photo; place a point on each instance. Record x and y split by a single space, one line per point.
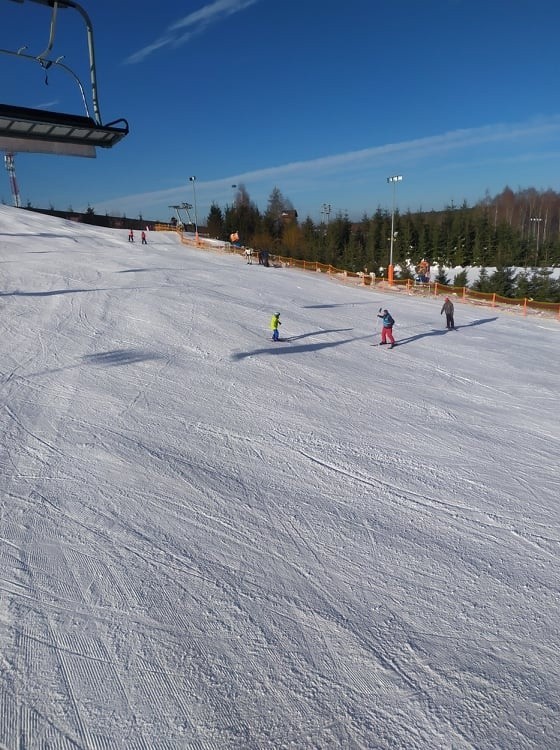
448 309
387 330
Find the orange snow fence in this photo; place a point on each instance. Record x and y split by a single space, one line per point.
380 283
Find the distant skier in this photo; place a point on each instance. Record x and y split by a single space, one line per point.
387 330
274 323
249 255
144 240
448 309
131 236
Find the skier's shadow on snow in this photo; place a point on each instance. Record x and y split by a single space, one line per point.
335 304
443 331
285 347
316 333
145 270
111 358
52 293
50 235
433 332
119 357
478 322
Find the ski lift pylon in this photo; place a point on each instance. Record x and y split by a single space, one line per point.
43 131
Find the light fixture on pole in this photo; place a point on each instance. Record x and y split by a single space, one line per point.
193 180
327 211
394 179
537 220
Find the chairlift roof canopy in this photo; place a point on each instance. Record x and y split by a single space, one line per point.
40 131
43 131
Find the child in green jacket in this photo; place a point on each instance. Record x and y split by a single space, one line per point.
274 323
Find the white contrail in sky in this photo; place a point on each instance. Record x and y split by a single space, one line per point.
194 23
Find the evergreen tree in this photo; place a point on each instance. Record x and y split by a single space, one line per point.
542 286
353 258
247 215
554 290
311 241
502 281
215 222
482 284
425 244
461 279
523 285
337 240
377 250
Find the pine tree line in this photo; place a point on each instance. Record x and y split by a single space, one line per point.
508 231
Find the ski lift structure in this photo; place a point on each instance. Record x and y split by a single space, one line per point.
23 129
185 207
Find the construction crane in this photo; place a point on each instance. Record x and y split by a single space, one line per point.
11 168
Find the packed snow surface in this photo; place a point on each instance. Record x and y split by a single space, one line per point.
212 541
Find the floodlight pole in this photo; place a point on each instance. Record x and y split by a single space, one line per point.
193 180
232 210
537 220
390 272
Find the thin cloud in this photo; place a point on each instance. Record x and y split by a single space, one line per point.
412 150
48 105
194 23
408 152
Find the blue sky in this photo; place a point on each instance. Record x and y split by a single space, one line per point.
321 99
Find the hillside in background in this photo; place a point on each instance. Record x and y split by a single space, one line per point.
509 232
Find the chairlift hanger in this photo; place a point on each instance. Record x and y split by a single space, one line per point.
43 131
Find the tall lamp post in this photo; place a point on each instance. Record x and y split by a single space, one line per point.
392 180
537 220
193 180
232 212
